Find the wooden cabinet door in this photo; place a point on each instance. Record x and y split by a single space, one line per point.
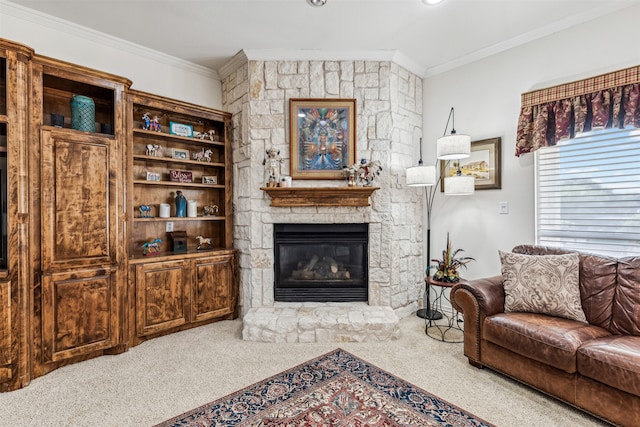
79 313
79 207
213 290
162 296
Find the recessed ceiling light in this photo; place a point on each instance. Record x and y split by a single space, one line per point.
318 3
432 2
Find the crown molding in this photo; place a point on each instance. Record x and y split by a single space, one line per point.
63 26
319 55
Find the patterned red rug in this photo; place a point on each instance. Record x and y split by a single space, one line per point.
336 389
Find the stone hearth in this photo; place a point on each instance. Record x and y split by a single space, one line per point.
389 122
320 322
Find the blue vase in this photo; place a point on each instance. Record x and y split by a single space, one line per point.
83 113
181 205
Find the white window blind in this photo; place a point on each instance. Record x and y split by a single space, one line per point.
588 193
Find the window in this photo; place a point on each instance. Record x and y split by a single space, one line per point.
588 193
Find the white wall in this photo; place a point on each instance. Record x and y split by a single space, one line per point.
486 97
149 71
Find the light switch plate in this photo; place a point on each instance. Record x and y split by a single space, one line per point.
169 227
503 208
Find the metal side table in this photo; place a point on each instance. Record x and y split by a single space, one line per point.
448 323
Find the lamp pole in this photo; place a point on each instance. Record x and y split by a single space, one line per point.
426 312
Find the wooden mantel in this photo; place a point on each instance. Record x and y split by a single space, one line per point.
319 196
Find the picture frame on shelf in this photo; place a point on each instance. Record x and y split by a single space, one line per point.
180 154
180 129
484 164
322 137
153 176
211 180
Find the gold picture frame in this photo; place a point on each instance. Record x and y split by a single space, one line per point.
484 165
322 137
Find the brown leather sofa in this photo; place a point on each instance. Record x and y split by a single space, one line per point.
594 366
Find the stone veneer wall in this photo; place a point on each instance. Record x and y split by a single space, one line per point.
389 122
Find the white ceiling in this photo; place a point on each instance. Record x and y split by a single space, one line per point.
430 39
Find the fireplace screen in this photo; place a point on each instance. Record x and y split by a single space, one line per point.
321 262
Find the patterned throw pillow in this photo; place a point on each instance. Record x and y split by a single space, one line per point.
547 284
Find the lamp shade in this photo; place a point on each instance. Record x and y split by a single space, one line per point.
421 176
454 146
459 185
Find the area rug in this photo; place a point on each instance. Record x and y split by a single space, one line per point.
336 389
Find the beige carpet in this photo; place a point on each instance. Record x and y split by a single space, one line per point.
170 375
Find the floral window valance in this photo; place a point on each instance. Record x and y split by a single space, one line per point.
560 112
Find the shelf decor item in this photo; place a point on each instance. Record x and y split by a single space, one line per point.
178 241
180 176
83 113
180 129
181 205
165 210
212 180
180 154
192 208
447 267
145 211
204 242
151 247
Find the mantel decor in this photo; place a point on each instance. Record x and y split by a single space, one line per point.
323 137
319 196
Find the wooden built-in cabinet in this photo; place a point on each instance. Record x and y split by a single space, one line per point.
77 216
74 283
174 290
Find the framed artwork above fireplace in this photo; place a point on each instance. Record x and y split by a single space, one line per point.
322 137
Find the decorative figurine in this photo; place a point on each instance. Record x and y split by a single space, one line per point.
364 172
211 134
155 124
145 211
202 155
154 150
146 121
210 210
151 247
204 242
150 124
181 205
272 162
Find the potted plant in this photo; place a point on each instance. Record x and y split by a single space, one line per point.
447 267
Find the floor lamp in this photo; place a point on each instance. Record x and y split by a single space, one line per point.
449 147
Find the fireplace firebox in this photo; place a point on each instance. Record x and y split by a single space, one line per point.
321 262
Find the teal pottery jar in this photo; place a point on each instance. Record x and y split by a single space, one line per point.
181 205
83 113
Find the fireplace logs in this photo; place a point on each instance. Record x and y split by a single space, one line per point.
325 268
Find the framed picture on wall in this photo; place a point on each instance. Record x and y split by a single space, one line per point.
322 137
484 165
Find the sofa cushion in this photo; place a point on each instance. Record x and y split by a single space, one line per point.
626 307
614 361
547 284
550 340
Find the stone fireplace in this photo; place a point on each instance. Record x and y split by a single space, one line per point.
389 122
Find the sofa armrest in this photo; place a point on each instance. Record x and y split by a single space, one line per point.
477 299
